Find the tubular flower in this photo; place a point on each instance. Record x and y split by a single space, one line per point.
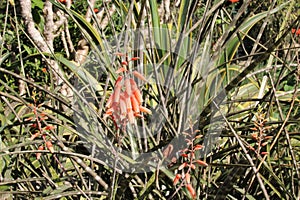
38 155
49 146
296 31
176 179
128 87
191 190
139 76
124 104
188 163
96 10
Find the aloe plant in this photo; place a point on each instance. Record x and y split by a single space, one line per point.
236 114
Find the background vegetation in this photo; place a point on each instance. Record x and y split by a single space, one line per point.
222 76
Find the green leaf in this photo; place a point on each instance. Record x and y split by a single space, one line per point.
155 22
148 185
37 3
4 57
80 72
183 12
234 42
242 191
271 186
61 189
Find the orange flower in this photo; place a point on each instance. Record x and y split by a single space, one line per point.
135 58
44 70
96 10
118 81
120 70
268 137
183 165
124 104
124 63
138 75
264 144
128 87
116 95
123 107
145 110
133 85
49 127
131 117
184 155
50 146
176 179
109 101
192 166
198 147
233 1
37 134
200 162
128 103
43 115
38 155
188 178
296 31
254 136
191 190
109 111
119 54
63 1
29 119
137 94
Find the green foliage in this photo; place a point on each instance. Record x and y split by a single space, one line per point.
202 78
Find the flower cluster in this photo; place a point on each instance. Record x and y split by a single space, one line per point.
296 31
125 103
39 129
189 164
259 134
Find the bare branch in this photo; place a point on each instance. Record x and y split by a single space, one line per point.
44 44
49 23
83 47
30 26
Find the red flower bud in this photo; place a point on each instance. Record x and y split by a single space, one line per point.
135 58
183 165
124 63
200 162
37 134
233 1
139 76
49 127
38 155
191 190
176 179
197 147
50 146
